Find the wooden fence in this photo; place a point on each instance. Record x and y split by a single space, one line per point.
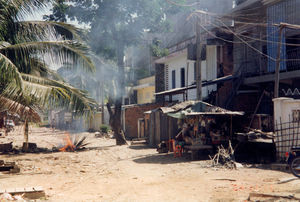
287 136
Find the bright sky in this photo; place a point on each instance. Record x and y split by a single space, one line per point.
38 16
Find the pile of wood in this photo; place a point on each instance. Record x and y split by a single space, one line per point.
224 158
22 194
10 167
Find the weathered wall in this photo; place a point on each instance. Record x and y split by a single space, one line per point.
286 125
145 95
132 114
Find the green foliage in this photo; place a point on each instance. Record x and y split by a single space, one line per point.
58 12
156 49
104 128
26 83
118 24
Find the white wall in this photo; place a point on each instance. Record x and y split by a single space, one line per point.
211 66
208 70
283 109
176 64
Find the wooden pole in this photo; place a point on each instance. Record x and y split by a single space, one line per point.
26 135
256 109
187 79
277 70
231 127
170 135
198 62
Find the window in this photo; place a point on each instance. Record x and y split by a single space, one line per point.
296 115
173 79
182 76
195 71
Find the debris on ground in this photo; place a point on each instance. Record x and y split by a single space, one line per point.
100 134
225 158
19 194
271 197
139 141
9 167
287 180
74 144
31 148
162 147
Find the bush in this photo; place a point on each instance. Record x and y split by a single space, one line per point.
104 128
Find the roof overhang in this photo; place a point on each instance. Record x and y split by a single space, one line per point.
171 56
177 91
244 5
233 113
142 86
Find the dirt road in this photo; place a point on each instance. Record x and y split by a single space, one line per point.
107 172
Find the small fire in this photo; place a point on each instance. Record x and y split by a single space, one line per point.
69 147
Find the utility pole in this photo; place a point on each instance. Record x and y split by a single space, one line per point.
277 70
198 61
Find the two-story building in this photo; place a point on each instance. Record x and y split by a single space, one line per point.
255 52
145 90
176 73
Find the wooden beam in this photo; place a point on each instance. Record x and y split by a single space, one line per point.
278 59
271 77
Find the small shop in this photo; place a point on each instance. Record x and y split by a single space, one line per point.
194 125
204 127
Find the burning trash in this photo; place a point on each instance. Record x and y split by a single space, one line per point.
74 143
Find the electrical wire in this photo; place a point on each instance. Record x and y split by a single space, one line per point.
239 36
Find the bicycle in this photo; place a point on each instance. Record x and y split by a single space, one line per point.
293 159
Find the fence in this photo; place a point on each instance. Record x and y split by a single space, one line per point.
287 136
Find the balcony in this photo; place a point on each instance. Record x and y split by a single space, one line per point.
256 71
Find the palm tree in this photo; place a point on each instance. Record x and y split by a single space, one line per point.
27 85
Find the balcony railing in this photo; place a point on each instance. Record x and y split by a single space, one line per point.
258 65
293 62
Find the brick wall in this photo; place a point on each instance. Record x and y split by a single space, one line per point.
132 115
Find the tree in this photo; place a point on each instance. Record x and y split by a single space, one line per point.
59 12
27 85
115 25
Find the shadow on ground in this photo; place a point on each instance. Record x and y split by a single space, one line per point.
19 152
162 159
140 147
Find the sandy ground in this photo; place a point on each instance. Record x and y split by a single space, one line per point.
107 172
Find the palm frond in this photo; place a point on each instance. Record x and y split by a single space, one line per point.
80 142
9 72
25 7
40 69
46 92
41 29
25 112
60 51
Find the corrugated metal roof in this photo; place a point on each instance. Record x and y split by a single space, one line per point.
215 113
201 108
204 83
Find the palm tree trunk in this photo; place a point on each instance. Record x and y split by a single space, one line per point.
26 136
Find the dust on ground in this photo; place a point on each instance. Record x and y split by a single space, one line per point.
105 172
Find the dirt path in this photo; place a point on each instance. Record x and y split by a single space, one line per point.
132 173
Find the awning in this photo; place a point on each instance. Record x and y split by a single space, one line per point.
216 113
177 91
202 109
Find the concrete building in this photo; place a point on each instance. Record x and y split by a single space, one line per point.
145 90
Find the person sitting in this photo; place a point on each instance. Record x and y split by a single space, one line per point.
184 136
